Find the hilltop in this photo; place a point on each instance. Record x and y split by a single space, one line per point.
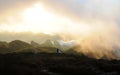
17 46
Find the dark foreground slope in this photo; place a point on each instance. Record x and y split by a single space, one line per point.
55 64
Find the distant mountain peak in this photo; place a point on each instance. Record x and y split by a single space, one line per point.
47 43
35 44
18 44
3 44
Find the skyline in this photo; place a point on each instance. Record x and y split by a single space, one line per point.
93 24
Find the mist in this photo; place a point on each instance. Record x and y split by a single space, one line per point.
94 24
103 18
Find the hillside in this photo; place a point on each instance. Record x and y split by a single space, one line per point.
4 47
47 43
17 46
56 64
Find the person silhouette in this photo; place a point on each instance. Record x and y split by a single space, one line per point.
59 51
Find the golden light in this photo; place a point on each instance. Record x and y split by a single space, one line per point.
37 14
38 19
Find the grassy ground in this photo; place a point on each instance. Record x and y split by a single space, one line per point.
55 64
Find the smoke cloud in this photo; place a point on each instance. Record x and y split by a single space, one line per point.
102 39
97 29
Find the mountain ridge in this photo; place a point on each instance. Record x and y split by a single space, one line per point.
21 46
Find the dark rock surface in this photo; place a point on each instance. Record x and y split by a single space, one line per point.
55 64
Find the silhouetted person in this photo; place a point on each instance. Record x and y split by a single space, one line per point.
59 51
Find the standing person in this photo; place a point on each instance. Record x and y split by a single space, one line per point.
59 51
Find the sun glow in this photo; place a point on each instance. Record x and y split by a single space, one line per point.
38 19
37 14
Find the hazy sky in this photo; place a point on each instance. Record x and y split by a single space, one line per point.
95 24
56 15
79 17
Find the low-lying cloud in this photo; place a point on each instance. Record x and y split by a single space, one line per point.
97 31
